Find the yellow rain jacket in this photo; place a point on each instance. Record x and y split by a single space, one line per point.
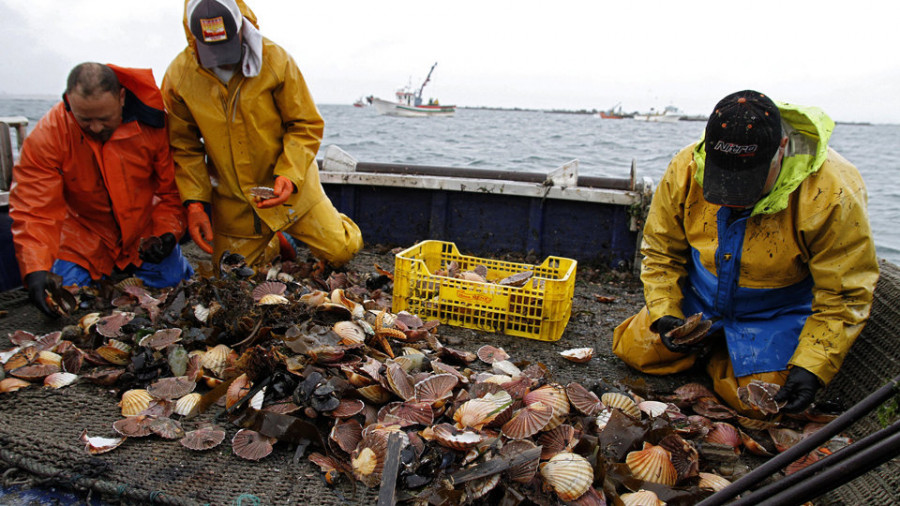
229 138
789 283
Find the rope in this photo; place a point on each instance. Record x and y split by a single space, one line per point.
254 501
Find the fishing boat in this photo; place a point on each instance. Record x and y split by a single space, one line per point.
669 115
614 112
409 103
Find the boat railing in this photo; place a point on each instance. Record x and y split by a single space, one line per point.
8 154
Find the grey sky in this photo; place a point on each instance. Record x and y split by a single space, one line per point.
563 54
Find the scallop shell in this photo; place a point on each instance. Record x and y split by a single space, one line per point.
348 408
60 379
34 372
347 434
350 332
272 299
134 426
490 354
524 472
449 436
405 414
713 481
171 388
203 438
115 352
98 445
552 395
12 384
683 455
653 408
167 428
578 355
477 413
560 439
528 421
435 389
583 399
641 498
185 404
375 393
49 358
111 326
88 320
134 401
653 464
238 388
162 338
410 363
753 445
216 359
621 402
262 192
506 367
201 313
251 445
268 288
724 434
569 474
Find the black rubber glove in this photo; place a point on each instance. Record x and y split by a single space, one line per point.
665 325
36 283
799 390
156 249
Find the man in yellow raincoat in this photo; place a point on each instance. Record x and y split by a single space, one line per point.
763 229
241 117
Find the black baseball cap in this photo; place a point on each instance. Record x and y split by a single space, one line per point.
216 25
742 136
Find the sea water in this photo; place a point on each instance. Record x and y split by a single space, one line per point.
535 141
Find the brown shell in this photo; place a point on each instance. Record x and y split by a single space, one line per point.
34 372
12 384
524 472
134 426
760 395
578 355
347 434
724 434
552 395
450 437
583 399
262 192
172 387
528 421
167 428
238 388
560 439
692 331
268 288
203 438
162 338
569 474
405 414
435 389
711 408
348 408
753 446
375 393
72 360
621 402
400 382
251 445
111 326
490 354
683 455
104 376
652 463
114 353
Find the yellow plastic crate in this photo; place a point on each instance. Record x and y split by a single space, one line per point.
539 310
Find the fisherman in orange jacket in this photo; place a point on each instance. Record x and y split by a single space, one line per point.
94 191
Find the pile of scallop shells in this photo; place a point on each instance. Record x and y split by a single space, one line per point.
324 368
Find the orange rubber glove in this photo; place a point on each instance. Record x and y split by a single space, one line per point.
199 226
283 189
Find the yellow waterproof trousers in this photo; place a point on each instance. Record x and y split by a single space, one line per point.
641 348
330 235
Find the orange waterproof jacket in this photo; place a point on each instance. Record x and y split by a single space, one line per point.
74 198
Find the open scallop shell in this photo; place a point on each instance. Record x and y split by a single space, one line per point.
135 401
98 445
216 359
683 455
111 326
162 338
477 413
60 379
450 437
490 354
171 388
559 439
167 428
653 464
115 352
349 332
399 381
375 393
405 414
621 402
724 434
347 434
528 421
578 355
203 438
134 426
185 404
583 399
713 481
272 300
268 288
251 445
552 395
760 395
435 389
653 408
569 474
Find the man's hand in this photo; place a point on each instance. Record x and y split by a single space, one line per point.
155 249
665 325
283 190
36 283
199 226
799 390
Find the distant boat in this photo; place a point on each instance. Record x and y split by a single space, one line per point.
614 112
361 102
409 103
669 115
